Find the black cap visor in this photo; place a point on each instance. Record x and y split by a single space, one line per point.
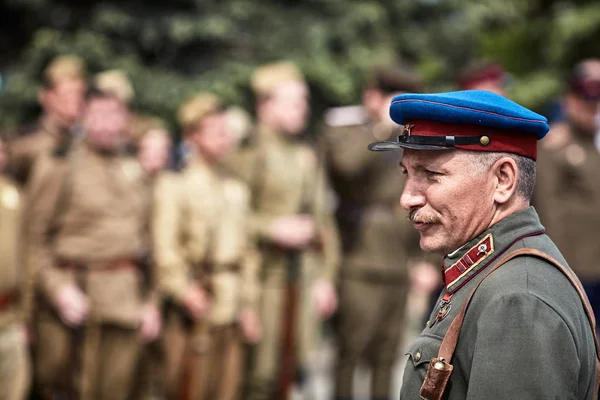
417 142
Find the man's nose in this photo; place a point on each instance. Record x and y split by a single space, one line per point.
412 196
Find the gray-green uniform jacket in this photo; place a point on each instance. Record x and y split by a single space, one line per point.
525 333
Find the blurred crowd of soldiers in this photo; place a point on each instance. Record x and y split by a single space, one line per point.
127 273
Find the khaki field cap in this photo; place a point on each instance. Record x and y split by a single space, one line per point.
116 83
144 124
64 67
393 79
269 76
196 108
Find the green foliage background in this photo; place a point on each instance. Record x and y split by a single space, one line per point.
173 49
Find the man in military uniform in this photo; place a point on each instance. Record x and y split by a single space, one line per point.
293 221
377 239
61 98
14 296
207 261
568 191
87 218
469 159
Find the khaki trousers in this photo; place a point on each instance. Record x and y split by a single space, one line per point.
98 361
202 362
14 363
371 324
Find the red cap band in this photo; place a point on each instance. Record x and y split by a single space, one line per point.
501 140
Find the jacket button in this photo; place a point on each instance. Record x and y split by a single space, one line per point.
417 356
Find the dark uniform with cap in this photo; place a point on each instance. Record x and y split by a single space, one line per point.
525 333
377 238
568 190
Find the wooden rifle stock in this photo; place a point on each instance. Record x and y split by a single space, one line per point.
196 344
288 327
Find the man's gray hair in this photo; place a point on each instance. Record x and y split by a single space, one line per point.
482 161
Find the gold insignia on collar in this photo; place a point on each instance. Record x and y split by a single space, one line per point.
10 198
472 258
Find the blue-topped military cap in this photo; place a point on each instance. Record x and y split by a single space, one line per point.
474 120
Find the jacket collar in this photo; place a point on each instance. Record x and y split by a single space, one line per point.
466 262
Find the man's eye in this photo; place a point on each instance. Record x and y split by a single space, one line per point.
431 173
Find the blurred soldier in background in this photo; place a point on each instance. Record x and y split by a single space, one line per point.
116 83
152 145
378 240
481 75
207 261
61 99
14 357
298 239
87 217
567 194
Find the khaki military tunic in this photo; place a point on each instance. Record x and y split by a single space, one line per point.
14 295
286 178
25 150
87 218
378 242
567 197
525 334
201 234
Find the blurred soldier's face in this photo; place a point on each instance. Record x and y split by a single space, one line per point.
448 202
106 120
64 101
287 109
153 153
212 138
581 113
377 103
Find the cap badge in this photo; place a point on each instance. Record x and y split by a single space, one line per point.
407 129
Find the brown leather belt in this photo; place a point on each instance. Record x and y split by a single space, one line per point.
111 265
211 268
8 299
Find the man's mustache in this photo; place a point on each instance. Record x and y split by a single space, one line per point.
420 217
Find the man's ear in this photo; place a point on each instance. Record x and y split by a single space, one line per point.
506 172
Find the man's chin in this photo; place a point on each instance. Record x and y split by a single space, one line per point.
430 245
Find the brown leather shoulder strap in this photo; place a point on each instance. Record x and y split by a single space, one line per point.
451 338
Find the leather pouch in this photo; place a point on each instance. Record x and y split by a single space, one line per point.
436 379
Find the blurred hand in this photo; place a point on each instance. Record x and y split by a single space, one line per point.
325 298
250 326
72 305
293 231
425 277
196 302
150 323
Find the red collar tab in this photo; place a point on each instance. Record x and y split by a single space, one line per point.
472 258
488 139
